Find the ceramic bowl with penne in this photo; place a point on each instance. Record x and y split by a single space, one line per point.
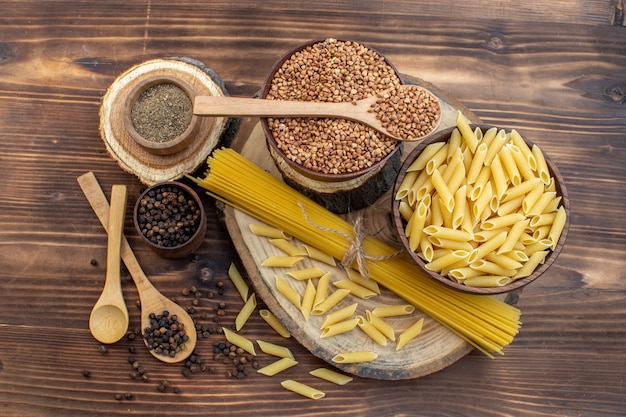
480 208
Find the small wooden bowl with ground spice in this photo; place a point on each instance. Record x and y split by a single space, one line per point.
170 219
498 239
159 114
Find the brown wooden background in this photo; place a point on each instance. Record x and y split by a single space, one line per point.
554 70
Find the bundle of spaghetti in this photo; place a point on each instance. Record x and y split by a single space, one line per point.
486 323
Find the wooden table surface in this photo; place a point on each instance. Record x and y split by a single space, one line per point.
556 71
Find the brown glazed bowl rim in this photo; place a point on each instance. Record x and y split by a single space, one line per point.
399 223
297 167
194 241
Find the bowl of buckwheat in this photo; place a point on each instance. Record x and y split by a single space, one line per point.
170 219
329 149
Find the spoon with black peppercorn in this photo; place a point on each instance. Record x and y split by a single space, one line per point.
404 113
156 309
108 320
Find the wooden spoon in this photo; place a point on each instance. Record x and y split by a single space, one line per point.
361 111
152 301
108 321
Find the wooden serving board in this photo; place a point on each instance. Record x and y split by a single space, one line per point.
434 349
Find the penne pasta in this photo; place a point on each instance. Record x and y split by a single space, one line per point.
502 221
499 178
307 300
367 283
454 144
557 227
487 281
450 258
289 248
487 247
421 161
274 323
460 201
238 282
245 312
331 301
318 255
288 292
302 389
268 231
306 273
513 236
331 376
437 159
477 163
487 267
281 261
445 196
499 140
417 225
381 325
521 162
321 290
467 133
275 350
508 163
355 289
447 233
239 341
371 331
393 310
277 367
339 328
531 264
542 166
517 140
406 184
355 357
409 334
338 315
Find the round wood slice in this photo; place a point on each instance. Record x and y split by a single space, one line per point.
434 349
152 167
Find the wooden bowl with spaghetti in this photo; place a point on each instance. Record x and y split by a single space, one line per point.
480 208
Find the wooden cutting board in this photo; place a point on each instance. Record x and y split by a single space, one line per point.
434 349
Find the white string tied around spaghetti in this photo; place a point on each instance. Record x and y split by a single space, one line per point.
355 253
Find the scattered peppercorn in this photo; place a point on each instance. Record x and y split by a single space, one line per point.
86 373
103 349
94 262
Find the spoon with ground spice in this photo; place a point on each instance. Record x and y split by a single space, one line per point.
169 331
404 113
108 320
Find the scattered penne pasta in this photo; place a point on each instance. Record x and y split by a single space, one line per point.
245 312
238 282
289 248
274 323
307 300
268 231
239 341
281 261
393 310
277 366
331 376
288 291
355 357
275 350
409 334
339 328
332 300
355 289
302 389
338 315
370 330
306 273
318 255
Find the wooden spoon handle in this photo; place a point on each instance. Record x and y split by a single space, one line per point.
241 106
115 231
98 201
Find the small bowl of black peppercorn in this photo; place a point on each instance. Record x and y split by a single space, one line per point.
170 218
